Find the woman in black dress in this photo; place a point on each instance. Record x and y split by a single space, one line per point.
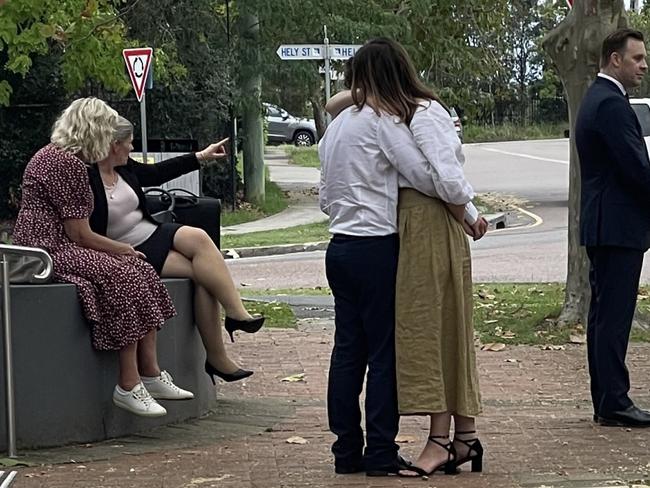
174 250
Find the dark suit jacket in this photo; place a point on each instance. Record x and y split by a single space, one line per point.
136 175
615 170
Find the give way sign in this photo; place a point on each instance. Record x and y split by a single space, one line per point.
138 61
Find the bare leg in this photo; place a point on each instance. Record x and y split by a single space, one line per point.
147 355
209 269
128 376
206 314
434 455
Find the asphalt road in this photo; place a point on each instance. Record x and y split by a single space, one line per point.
534 171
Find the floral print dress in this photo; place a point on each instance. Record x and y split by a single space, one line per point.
122 297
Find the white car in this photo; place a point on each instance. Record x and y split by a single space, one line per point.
641 107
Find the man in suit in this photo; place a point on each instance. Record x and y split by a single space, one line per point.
614 221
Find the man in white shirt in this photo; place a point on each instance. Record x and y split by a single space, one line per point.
362 157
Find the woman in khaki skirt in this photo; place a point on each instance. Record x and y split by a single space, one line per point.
435 357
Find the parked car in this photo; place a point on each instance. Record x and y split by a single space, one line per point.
285 128
641 107
457 123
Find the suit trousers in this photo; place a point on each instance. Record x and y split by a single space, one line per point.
614 278
361 272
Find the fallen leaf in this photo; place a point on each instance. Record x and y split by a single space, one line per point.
493 346
201 481
508 334
404 439
491 322
296 440
578 339
511 360
294 378
551 347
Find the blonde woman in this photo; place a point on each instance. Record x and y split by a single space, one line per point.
121 296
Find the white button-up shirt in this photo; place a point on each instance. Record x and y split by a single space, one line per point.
366 158
362 156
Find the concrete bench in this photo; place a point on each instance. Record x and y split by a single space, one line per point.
63 387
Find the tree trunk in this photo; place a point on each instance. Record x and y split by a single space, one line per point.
319 116
574 46
252 126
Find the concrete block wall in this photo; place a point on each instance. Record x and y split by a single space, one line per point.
64 387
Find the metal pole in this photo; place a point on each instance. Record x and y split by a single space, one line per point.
9 371
326 41
232 126
143 124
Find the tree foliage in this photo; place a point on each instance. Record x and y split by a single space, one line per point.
87 36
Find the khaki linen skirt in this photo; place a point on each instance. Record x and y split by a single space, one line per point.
436 360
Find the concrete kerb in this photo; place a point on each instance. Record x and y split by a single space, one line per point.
498 220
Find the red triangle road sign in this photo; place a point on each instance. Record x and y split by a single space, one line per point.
138 61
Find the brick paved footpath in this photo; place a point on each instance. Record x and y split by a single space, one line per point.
536 429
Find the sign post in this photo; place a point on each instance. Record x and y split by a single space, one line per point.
328 81
138 62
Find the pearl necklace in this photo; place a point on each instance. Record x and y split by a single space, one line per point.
110 189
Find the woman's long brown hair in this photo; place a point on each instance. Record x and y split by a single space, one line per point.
383 72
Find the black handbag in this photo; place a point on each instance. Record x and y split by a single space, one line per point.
184 207
163 213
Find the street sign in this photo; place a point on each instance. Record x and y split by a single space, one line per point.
289 52
343 51
334 75
138 62
325 51
301 51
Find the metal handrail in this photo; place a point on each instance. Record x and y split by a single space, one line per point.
7 250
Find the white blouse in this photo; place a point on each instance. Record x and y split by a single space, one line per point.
362 157
435 135
126 222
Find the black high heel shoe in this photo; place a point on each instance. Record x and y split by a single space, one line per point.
240 374
448 466
475 453
251 325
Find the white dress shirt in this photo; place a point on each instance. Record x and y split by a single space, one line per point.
613 80
362 157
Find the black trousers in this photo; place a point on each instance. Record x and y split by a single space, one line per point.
614 279
361 273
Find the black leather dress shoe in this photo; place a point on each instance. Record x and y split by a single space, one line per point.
400 464
338 469
630 417
596 418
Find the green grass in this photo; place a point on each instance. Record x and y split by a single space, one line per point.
278 315
315 291
276 201
303 156
511 314
291 235
513 132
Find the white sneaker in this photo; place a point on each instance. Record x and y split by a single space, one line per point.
163 388
138 401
